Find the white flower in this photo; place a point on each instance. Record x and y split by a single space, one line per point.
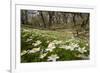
65 47
51 46
48 41
49 49
43 55
29 39
34 50
80 55
74 45
87 44
71 48
82 50
83 56
37 43
57 42
24 52
53 57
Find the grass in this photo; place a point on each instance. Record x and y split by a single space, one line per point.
60 35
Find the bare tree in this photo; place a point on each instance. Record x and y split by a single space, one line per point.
24 16
43 19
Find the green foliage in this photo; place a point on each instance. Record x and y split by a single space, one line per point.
43 46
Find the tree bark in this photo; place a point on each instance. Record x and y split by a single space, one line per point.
43 19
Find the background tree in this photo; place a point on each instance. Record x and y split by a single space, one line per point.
78 23
24 16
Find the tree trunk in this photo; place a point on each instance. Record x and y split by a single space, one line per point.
43 19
